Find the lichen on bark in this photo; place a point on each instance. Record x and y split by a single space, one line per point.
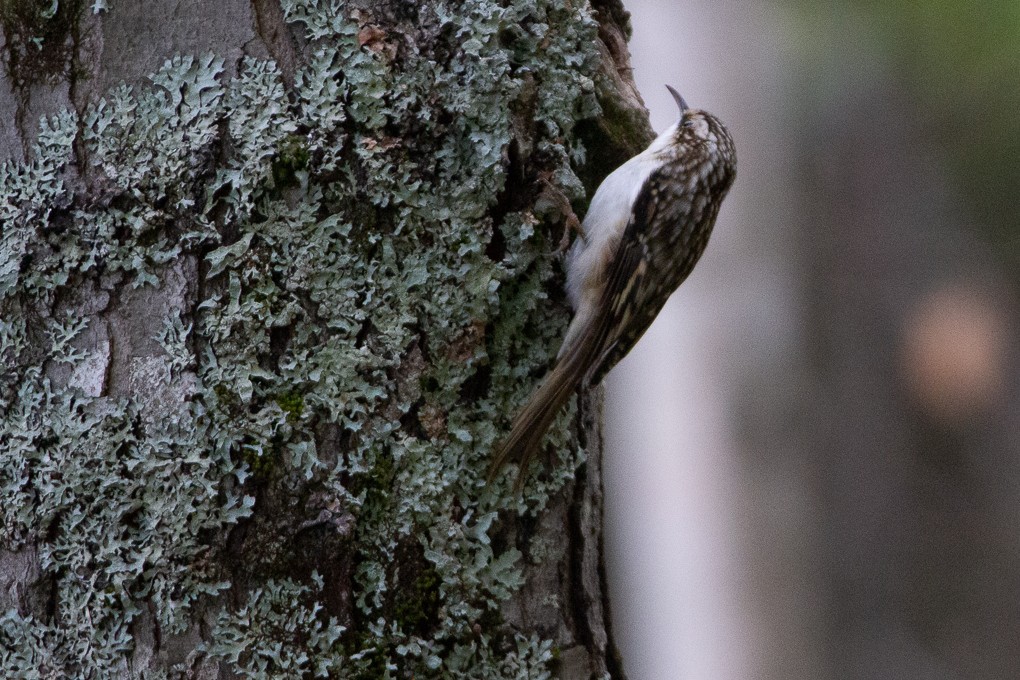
259 335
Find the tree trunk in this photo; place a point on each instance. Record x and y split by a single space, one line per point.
264 312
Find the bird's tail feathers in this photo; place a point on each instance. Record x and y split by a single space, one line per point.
538 414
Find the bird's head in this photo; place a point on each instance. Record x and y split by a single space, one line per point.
698 130
696 126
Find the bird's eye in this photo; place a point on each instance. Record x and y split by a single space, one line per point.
689 123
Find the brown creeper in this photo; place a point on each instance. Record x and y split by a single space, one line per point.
647 225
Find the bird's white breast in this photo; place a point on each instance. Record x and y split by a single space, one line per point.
606 221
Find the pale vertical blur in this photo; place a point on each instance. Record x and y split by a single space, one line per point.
684 601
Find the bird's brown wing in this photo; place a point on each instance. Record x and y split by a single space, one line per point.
642 277
626 279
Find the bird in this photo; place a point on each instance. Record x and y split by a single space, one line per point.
646 227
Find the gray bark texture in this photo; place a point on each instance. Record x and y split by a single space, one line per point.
274 276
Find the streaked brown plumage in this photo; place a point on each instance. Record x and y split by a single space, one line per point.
647 225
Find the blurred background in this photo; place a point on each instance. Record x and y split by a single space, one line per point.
814 465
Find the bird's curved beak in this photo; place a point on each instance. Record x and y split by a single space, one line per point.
679 100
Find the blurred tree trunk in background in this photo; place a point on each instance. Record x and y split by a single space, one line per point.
896 408
825 451
912 412
265 310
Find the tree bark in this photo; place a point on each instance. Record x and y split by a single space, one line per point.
266 308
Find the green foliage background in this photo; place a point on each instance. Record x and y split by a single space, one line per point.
959 65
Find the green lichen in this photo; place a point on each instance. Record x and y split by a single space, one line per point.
292 404
291 159
280 632
339 230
